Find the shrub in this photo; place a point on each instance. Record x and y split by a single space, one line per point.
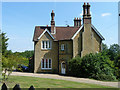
97 66
75 66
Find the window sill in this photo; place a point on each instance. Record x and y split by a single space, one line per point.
46 49
46 68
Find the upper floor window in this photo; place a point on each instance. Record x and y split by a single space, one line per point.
62 47
46 44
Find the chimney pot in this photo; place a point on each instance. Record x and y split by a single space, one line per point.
84 3
52 11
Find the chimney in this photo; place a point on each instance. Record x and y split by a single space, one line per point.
86 14
52 22
87 47
77 22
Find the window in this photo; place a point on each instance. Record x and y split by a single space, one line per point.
46 64
62 47
46 45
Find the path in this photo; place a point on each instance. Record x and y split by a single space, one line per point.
55 76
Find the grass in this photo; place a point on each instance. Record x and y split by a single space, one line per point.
26 82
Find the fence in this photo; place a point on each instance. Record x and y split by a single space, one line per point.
17 87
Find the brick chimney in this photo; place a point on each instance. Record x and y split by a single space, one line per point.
86 14
87 41
52 22
77 22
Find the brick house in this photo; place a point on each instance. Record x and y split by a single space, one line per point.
54 45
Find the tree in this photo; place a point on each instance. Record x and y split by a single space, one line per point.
4 43
10 63
114 50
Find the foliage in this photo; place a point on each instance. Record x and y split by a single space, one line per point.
117 66
10 60
4 43
26 54
114 50
9 63
97 66
75 66
114 54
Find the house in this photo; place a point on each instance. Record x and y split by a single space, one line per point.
54 45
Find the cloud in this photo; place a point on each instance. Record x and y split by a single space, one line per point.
105 14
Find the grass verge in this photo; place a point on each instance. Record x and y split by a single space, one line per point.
26 82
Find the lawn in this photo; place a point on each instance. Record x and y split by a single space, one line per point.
26 82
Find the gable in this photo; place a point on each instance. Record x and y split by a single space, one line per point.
77 32
96 31
93 28
46 36
46 31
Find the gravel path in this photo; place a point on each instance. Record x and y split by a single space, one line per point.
55 76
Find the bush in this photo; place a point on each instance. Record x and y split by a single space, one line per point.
97 66
75 66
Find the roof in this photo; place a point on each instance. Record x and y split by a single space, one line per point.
62 33
46 30
97 32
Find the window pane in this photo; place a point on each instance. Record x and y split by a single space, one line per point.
42 63
46 63
42 44
49 63
49 44
46 45
62 47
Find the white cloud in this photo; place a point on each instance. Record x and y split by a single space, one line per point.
105 14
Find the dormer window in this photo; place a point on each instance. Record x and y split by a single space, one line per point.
46 45
62 47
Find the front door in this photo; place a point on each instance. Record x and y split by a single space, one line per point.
63 68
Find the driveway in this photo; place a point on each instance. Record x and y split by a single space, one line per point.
55 76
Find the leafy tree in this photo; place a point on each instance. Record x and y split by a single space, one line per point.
114 50
117 66
4 43
9 63
26 54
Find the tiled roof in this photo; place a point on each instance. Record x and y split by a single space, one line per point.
62 33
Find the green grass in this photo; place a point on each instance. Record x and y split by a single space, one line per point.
26 82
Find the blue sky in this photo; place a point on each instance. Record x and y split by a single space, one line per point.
20 18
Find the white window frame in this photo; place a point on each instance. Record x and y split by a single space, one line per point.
47 64
62 47
49 44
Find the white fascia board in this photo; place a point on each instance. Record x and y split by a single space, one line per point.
97 32
77 32
46 30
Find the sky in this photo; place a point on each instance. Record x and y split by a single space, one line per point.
20 18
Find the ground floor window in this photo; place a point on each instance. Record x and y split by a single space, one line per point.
46 64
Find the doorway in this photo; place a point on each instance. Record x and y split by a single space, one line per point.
63 68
